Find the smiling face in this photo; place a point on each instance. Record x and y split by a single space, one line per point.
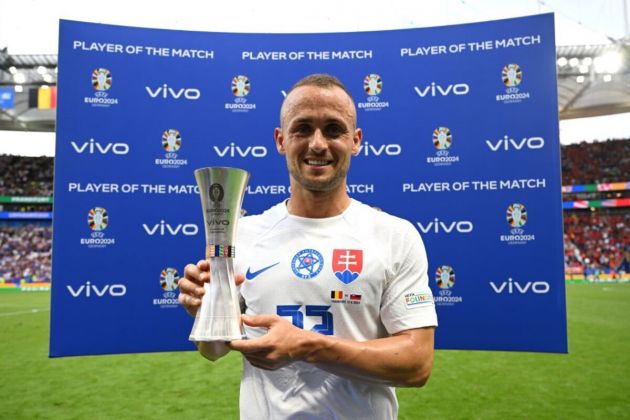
318 136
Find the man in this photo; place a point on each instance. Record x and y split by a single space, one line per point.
338 304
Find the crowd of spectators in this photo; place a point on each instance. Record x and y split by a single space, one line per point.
26 176
25 248
598 240
25 252
597 162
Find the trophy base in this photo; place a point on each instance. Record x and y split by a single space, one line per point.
212 339
216 329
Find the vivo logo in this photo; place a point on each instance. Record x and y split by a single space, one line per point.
437 226
163 229
92 147
88 290
216 222
366 149
507 143
167 92
436 90
510 287
234 150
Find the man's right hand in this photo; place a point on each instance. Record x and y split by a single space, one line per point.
191 286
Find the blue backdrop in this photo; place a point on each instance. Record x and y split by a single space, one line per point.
460 138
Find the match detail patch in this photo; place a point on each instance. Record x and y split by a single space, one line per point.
413 300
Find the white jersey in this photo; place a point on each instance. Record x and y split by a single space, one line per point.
360 275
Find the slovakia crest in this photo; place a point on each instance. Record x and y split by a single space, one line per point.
347 264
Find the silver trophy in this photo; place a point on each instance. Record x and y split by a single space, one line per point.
221 191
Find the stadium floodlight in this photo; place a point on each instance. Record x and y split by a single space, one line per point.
42 70
19 89
48 78
12 70
562 61
574 62
56 69
579 79
587 61
609 62
607 78
19 78
584 68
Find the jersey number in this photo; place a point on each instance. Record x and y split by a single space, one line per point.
297 317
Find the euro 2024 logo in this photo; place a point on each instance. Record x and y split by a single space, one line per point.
516 216
442 141
216 194
97 221
445 277
217 214
445 280
102 81
512 76
171 140
373 86
241 87
169 277
171 143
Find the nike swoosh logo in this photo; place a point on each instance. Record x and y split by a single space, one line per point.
251 275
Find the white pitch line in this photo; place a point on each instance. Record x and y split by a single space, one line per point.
32 311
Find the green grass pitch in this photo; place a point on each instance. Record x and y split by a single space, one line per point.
592 381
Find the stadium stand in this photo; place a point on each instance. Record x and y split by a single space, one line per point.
22 176
598 162
25 244
25 253
596 216
597 241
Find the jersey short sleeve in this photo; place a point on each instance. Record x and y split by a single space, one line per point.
407 299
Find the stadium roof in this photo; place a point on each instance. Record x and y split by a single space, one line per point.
593 80
32 71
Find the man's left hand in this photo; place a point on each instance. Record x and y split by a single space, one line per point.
283 343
